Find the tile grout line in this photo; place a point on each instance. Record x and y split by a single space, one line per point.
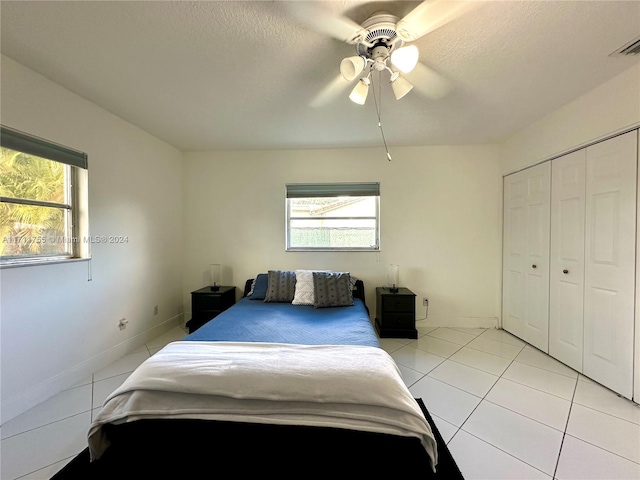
601 448
93 386
45 425
505 452
488 391
566 425
483 399
538 390
607 414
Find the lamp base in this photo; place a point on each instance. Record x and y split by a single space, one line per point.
393 290
215 288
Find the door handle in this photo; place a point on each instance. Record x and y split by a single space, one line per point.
565 271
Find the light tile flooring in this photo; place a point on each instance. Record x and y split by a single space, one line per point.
506 410
509 411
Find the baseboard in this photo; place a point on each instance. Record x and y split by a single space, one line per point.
28 399
460 322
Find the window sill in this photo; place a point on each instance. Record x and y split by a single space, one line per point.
328 249
45 261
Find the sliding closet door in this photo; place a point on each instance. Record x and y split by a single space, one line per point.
526 255
566 291
610 262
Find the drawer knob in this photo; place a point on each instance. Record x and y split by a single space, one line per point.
534 266
565 271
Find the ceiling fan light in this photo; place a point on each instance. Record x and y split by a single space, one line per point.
351 67
361 90
400 85
405 59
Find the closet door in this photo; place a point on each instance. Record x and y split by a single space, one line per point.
526 255
566 270
610 262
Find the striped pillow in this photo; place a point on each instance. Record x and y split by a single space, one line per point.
332 289
304 287
281 286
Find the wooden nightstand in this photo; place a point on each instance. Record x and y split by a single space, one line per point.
207 304
396 313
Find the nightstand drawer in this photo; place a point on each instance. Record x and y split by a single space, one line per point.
205 315
207 302
399 320
392 303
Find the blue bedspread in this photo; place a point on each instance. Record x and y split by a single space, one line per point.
256 321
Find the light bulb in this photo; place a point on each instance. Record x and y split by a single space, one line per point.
360 92
405 59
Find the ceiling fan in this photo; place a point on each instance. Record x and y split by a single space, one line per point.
382 44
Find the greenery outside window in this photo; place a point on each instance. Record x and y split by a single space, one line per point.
333 216
43 200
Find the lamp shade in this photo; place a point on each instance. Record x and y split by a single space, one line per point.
214 270
405 59
400 86
394 272
360 92
351 67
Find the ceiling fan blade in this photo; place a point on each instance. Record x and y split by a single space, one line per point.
338 86
429 83
320 19
429 15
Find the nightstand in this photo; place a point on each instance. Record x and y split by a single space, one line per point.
207 304
396 313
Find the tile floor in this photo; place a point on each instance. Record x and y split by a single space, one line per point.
506 410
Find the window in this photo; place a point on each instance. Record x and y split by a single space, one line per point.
333 216
42 200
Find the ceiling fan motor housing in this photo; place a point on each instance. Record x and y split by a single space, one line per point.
381 28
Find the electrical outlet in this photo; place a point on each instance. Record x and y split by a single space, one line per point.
425 302
155 310
122 324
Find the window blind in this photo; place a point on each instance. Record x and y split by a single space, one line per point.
314 190
22 142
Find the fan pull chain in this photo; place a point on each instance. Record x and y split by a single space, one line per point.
378 108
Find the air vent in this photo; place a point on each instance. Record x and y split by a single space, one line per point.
631 48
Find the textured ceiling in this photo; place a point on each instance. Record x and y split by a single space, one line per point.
228 75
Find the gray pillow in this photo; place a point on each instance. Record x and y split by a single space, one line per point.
332 289
281 286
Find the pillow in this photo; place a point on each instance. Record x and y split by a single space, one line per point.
259 288
304 287
332 289
282 286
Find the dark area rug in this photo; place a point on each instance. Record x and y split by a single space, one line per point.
188 449
447 467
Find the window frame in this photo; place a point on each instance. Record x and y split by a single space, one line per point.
332 190
76 197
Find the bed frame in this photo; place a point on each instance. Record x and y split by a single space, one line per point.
195 449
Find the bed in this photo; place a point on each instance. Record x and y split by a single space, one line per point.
267 387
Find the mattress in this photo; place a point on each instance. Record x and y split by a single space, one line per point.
257 321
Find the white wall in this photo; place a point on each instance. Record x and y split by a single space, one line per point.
57 326
440 221
607 109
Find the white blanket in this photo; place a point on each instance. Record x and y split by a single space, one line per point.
350 387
